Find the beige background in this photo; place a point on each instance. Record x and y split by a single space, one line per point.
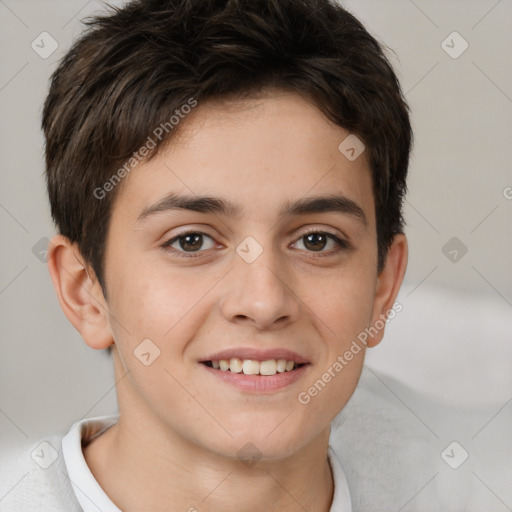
460 171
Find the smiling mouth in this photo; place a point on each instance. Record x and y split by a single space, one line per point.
254 367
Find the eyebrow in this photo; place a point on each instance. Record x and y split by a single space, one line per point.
217 205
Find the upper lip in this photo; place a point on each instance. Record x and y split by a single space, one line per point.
256 354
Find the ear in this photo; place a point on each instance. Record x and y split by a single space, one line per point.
388 286
79 293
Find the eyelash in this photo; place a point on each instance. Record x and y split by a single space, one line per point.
342 244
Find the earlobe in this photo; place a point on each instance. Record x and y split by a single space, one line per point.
388 286
79 293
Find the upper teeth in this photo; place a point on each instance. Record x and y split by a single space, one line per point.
253 367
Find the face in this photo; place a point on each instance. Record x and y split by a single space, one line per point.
252 274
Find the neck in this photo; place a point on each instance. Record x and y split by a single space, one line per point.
142 464
142 471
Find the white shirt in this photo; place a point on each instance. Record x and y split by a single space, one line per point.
92 497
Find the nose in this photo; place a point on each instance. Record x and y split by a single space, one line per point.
260 294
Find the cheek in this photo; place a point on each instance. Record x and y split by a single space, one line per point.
166 306
342 310
148 304
156 315
344 302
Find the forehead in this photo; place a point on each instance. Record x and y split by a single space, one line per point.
259 154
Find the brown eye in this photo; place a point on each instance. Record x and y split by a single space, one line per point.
317 241
188 242
191 242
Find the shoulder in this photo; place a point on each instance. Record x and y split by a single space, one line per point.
387 449
33 476
400 447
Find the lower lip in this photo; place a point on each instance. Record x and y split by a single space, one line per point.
259 383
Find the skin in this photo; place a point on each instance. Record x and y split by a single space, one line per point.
180 428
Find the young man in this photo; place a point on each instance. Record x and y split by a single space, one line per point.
227 182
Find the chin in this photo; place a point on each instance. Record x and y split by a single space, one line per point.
271 444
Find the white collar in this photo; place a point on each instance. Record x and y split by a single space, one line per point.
92 497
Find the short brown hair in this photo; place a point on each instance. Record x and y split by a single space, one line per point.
138 63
